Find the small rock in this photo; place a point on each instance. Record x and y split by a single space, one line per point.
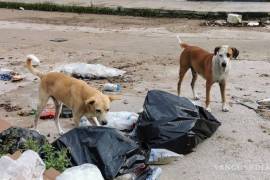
58 40
250 140
234 131
125 101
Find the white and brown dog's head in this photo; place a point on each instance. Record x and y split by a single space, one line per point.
99 105
224 54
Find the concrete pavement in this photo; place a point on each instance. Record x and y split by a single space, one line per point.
169 7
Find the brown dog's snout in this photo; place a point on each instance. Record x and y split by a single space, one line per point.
104 123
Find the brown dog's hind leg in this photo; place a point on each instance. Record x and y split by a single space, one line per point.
43 99
182 73
58 108
194 78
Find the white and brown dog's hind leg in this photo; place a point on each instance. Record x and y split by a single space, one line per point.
43 99
222 86
58 109
194 78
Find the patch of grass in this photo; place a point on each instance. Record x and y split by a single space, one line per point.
51 157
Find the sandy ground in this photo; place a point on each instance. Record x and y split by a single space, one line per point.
147 49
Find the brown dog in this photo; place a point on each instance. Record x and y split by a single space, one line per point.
74 93
213 67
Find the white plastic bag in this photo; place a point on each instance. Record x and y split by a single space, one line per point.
89 70
82 172
29 166
122 120
163 156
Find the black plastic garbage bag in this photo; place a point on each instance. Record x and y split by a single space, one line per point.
113 153
173 123
14 138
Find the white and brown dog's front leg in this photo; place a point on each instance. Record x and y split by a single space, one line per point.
222 86
208 89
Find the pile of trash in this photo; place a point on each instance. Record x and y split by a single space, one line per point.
236 21
168 127
9 75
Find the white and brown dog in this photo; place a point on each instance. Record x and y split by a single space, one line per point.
213 67
76 94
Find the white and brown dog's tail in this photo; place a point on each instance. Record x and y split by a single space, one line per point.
30 67
182 45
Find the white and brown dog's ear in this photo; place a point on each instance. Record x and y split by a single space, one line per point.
235 52
216 50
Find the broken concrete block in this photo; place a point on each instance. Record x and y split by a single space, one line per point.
234 18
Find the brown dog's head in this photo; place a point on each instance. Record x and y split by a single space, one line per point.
99 105
224 54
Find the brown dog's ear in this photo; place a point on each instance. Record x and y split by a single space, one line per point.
90 101
216 50
235 52
114 97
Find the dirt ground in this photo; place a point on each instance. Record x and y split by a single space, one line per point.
147 49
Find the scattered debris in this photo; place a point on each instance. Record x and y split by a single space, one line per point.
48 112
66 112
7 75
27 113
112 87
264 75
59 40
16 78
264 108
9 108
234 18
245 102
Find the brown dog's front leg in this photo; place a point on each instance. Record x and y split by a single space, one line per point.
208 89
222 86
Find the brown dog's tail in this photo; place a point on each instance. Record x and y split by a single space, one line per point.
29 66
182 45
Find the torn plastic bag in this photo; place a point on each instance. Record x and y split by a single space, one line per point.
173 123
82 172
14 138
113 153
90 71
28 166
